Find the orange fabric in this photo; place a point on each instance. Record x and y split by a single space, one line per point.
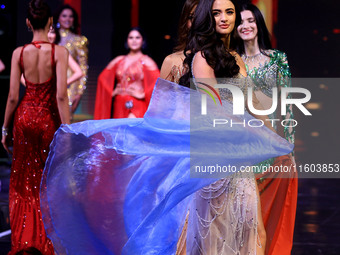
105 87
278 194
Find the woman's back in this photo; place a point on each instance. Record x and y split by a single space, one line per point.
36 61
35 121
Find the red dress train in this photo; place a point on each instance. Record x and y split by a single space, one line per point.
278 194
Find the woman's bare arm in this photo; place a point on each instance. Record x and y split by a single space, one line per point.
76 70
61 70
13 95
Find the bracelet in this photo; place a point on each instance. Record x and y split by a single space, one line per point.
4 131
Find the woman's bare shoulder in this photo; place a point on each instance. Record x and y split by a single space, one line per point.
17 52
201 68
175 59
61 52
149 63
199 59
114 61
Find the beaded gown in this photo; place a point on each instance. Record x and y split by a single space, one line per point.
278 191
35 121
77 45
268 72
222 217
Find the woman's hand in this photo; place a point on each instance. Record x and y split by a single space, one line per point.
116 91
132 91
5 140
75 102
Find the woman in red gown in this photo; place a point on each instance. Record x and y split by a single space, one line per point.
41 111
135 75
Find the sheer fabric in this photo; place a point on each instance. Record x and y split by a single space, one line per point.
123 186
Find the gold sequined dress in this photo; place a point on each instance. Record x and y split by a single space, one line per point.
77 46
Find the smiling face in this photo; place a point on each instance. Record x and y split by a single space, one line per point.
247 30
66 19
135 40
225 16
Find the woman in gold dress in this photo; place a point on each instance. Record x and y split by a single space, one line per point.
76 44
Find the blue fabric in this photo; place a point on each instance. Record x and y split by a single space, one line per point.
122 186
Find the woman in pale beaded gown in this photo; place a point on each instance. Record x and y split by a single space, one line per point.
215 205
77 45
268 69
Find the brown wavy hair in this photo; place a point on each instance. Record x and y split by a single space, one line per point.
203 37
183 29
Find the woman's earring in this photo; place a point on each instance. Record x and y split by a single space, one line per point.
57 25
29 29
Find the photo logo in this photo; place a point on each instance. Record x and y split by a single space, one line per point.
208 92
239 101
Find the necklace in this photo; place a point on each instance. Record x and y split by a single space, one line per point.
257 58
255 61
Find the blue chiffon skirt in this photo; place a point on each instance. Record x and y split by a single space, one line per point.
122 186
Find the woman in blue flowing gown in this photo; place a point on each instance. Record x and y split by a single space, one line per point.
124 186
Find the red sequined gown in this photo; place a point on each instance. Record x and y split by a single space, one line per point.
35 121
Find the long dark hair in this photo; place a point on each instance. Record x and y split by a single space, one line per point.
57 34
263 36
38 13
203 37
183 29
75 28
